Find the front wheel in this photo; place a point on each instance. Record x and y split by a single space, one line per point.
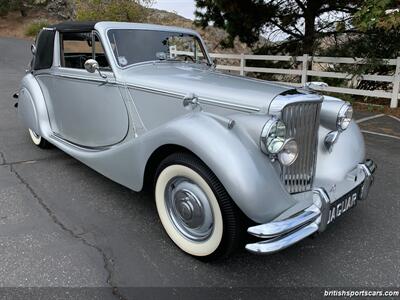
195 209
38 140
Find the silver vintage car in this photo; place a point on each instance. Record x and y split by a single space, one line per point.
228 157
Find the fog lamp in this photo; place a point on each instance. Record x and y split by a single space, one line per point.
289 152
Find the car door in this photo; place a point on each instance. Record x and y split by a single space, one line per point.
84 108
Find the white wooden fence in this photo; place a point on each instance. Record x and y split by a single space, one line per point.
306 69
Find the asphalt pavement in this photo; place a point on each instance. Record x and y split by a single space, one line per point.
64 225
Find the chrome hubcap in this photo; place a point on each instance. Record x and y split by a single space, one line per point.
189 209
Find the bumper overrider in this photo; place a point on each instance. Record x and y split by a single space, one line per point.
278 235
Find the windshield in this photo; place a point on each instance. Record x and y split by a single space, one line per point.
131 46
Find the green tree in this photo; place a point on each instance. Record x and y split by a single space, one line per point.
378 37
378 15
303 22
4 7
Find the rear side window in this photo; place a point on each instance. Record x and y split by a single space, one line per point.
44 50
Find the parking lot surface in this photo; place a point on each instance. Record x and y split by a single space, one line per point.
62 224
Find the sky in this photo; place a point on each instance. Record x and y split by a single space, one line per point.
184 8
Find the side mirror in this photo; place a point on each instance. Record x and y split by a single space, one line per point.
33 49
91 65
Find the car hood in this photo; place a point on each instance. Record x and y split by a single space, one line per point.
205 83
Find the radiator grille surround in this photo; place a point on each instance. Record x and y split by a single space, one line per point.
302 122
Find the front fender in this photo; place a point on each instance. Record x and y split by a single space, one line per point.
347 152
245 172
232 154
333 167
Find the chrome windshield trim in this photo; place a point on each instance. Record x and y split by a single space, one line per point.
166 29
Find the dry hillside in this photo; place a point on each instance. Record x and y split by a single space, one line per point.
13 25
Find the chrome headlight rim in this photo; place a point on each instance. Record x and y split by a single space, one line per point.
345 116
268 139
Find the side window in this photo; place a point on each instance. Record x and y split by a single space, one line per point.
99 54
76 48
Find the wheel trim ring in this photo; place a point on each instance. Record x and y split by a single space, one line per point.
202 248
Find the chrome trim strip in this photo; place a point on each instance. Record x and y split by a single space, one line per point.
202 100
228 105
152 90
60 138
91 79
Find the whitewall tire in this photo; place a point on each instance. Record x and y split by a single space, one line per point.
38 140
194 208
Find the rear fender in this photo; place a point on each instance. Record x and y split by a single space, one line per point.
32 109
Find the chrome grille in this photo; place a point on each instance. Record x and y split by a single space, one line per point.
302 122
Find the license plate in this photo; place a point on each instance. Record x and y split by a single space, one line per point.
344 204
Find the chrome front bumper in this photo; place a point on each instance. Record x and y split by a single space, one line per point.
279 235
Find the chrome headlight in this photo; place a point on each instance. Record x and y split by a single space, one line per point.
273 136
344 117
289 153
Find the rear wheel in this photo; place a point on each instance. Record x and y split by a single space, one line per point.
38 140
195 209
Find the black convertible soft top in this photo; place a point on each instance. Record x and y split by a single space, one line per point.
71 26
43 58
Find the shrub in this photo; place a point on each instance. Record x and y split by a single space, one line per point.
114 10
33 28
4 7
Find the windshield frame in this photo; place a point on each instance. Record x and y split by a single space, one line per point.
194 34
